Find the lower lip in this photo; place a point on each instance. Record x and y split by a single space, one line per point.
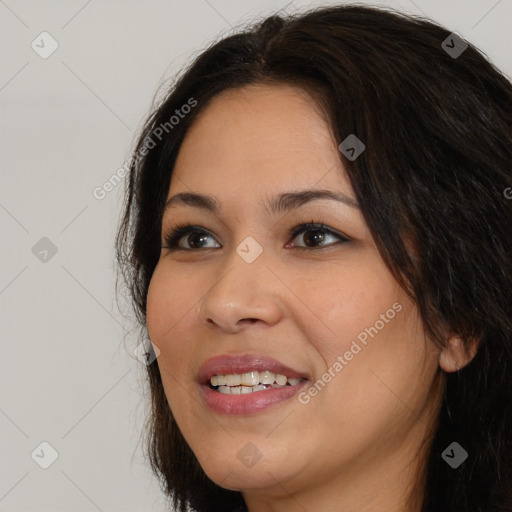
248 403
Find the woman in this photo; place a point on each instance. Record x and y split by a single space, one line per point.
317 240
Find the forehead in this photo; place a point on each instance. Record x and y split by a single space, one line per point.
264 135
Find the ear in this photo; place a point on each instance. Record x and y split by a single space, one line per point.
455 355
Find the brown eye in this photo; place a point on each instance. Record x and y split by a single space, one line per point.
193 235
196 237
315 234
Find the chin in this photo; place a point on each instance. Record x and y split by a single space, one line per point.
246 470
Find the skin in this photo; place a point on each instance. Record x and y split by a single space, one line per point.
357 444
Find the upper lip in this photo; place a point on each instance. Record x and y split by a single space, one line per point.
243 363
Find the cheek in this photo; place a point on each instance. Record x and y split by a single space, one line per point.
345 302
170 307
364 317
386 363
170 304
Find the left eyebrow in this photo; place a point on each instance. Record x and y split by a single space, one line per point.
282 203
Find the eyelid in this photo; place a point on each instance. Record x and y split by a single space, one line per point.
317 226
179 231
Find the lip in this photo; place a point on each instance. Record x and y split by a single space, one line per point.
249 403
243 363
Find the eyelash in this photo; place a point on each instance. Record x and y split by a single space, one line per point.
180 230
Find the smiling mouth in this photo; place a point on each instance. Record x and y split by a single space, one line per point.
251 382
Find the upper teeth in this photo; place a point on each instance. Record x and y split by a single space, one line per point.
252 379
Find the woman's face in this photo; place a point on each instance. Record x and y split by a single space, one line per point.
320 304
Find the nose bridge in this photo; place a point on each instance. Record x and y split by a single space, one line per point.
249 250
242 290
244 269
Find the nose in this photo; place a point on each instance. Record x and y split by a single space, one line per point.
241 294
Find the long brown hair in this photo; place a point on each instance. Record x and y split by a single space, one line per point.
437 165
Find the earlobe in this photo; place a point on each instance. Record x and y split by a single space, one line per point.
455 356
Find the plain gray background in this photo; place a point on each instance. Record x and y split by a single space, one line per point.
68 122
